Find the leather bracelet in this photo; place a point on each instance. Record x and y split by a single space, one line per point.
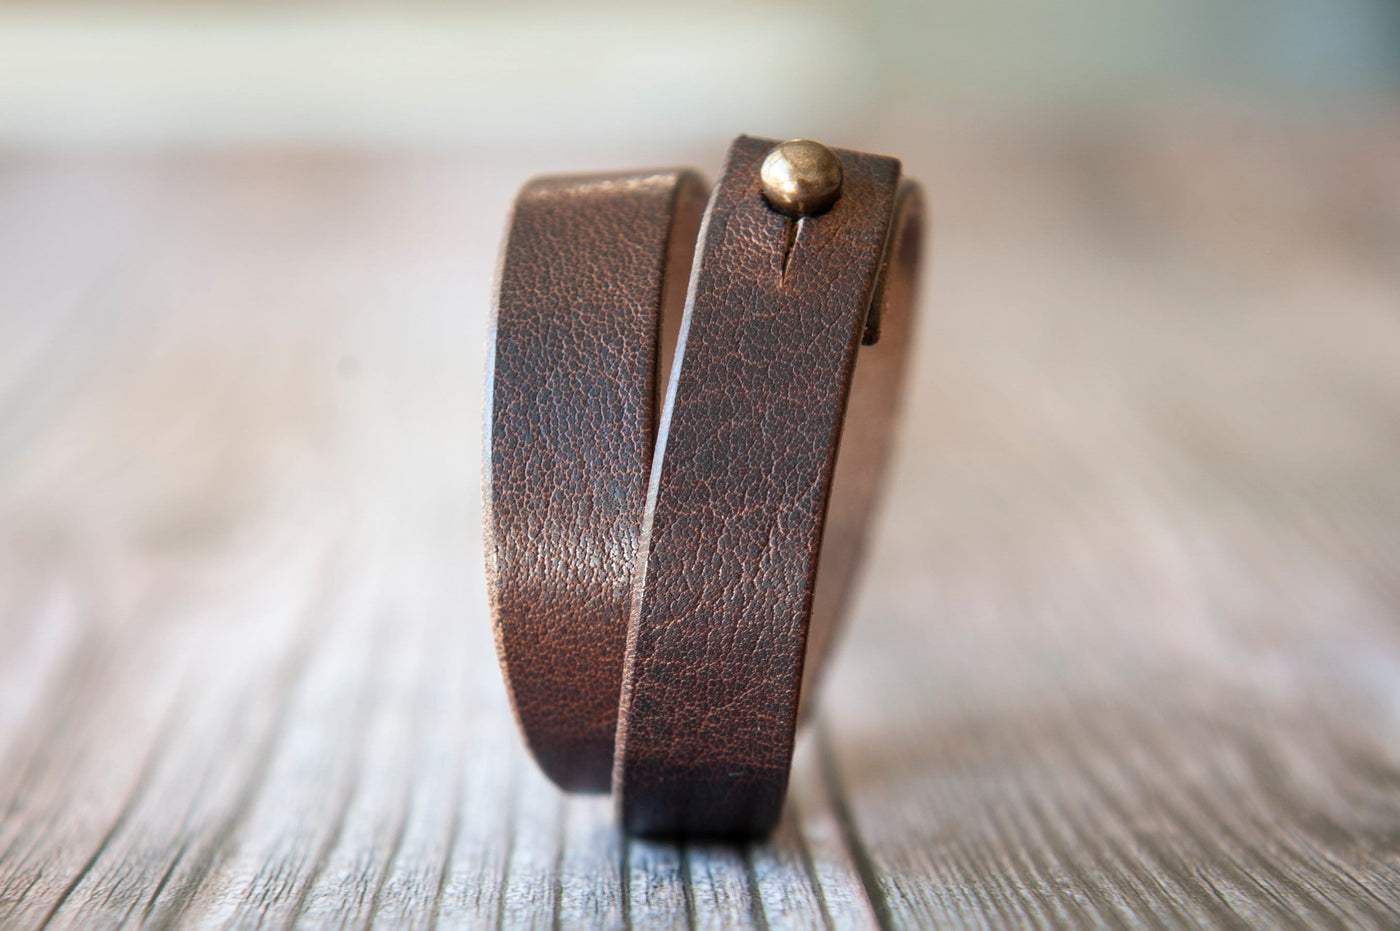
659 581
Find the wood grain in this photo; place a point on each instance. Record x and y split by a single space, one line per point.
1127 653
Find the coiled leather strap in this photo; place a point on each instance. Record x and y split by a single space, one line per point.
591 269
678 595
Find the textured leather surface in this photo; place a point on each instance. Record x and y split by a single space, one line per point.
698 563
738 497
588 273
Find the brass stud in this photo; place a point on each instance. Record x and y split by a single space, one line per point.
801 177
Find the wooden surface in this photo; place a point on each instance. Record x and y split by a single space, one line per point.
1127 654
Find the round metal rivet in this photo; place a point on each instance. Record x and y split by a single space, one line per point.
801 177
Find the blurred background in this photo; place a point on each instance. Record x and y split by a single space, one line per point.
364 73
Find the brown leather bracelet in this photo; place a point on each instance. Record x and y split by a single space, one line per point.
708 586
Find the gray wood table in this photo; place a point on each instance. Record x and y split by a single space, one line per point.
1127 652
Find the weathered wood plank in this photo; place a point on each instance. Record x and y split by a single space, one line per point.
1127 654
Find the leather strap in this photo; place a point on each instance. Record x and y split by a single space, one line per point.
706 577
591 268
739 494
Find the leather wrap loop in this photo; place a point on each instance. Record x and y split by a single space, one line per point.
662 581
591 270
